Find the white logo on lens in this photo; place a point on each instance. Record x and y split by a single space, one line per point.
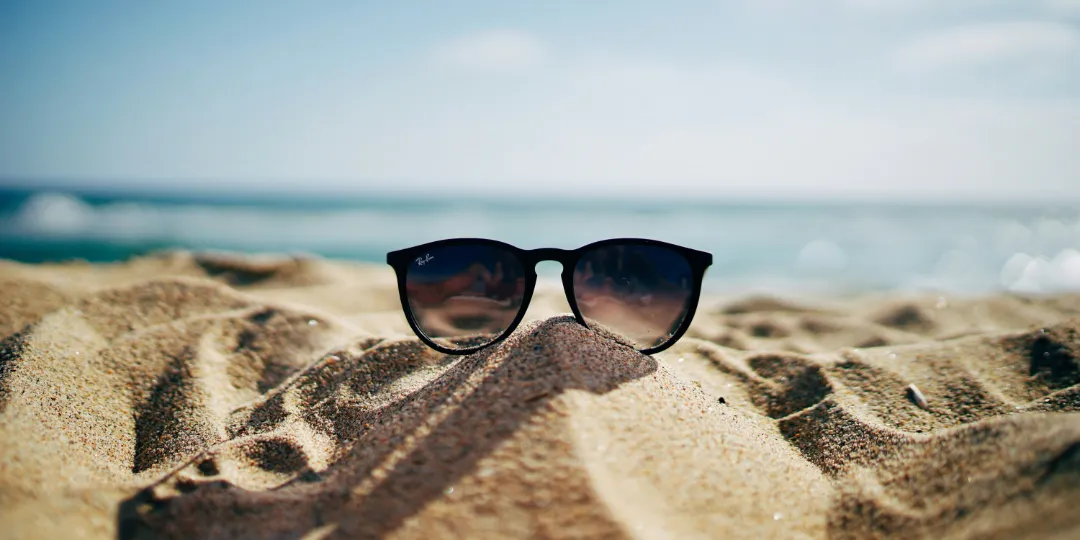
421 261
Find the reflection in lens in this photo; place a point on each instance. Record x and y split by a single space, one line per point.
640 292
470 293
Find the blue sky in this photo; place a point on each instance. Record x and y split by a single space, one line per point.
917 99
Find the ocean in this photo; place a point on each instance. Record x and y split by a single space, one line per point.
834 248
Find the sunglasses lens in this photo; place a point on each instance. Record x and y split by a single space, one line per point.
640 292
467 293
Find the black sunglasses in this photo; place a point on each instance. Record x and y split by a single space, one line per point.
463 294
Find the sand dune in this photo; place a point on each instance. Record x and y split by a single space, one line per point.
183 396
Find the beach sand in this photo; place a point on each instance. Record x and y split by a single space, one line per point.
183 396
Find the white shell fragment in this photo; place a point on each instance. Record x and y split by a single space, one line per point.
917 396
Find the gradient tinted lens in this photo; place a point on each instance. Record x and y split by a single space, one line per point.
469 292
641 292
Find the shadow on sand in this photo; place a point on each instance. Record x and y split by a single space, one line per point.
509 382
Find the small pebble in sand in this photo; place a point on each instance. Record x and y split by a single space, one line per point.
776 516
312 322
681 360
722 401
917 396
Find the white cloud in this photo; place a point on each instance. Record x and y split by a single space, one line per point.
990 44
492 50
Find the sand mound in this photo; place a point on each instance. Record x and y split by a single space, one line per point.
527 428
182 397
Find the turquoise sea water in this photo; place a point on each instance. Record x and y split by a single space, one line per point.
843 247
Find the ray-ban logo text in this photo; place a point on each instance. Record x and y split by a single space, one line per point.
421 261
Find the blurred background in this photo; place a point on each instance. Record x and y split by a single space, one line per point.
843 146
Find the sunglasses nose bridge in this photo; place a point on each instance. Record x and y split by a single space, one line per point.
560 256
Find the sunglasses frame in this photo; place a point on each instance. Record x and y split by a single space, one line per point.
401 259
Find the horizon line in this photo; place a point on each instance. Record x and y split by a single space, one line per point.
235 189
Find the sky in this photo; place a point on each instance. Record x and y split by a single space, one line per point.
831 99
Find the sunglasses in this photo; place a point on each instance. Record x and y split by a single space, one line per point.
464 294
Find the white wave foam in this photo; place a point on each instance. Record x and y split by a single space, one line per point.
59 215
54 214
1032 275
